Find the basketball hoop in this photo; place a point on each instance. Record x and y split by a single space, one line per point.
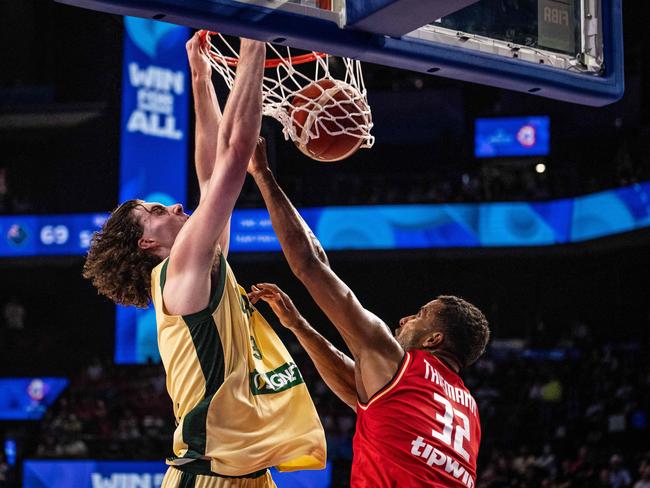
308 105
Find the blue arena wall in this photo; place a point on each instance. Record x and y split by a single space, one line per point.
132 474
385 227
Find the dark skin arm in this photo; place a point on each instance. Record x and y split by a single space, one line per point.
376 352
336 369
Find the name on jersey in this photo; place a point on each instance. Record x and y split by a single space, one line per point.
280 379
435 458
458 395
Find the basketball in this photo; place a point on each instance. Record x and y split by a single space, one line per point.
333 115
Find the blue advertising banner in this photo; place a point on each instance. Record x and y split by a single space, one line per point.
140 474
384 227
28 398
48 235
512 136
155 94
92 474
154 126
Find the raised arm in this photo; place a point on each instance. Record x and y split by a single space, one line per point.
187 288
336 369
207 114
376 352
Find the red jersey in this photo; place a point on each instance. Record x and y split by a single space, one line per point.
421 429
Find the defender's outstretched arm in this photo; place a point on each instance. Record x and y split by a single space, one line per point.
336 369
376 352
187 288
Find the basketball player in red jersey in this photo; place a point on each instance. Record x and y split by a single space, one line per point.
417 424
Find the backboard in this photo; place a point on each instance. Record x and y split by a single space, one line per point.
569 50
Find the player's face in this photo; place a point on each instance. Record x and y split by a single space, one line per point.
161 224
414 329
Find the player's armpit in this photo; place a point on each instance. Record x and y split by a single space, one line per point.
224 240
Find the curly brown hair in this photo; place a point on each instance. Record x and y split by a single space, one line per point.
115 264
466 327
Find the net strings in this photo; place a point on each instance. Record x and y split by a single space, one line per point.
281 88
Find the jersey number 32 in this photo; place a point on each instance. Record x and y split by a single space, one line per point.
455 427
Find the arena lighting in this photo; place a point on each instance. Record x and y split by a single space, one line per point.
540 168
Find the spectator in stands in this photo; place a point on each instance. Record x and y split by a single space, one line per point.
6 205
9 203
523 461
619 476
13 314
546 461
4 472
644 482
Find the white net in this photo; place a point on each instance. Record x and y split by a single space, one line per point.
306 104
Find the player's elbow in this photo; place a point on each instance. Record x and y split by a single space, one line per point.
237 147
306 266
236 154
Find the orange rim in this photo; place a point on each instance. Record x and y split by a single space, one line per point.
270 63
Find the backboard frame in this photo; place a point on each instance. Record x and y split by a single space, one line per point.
318 30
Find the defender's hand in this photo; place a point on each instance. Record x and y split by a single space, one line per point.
259 162
279 302
199 63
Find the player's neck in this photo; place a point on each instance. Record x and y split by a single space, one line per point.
448 360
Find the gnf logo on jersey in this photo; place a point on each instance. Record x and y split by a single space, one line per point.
280 379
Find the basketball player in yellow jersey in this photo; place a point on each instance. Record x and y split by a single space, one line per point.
240 403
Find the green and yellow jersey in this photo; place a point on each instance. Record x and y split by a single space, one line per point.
239 399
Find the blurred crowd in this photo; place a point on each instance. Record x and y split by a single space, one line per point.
504 180
110 412
565 417
575 415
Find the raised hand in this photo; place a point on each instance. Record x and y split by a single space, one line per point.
279 302
259 161
199 63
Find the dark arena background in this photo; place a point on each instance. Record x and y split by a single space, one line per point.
564 387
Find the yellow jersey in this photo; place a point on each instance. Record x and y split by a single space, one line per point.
239 399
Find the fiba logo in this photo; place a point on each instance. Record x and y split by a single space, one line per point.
527 136
36 390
